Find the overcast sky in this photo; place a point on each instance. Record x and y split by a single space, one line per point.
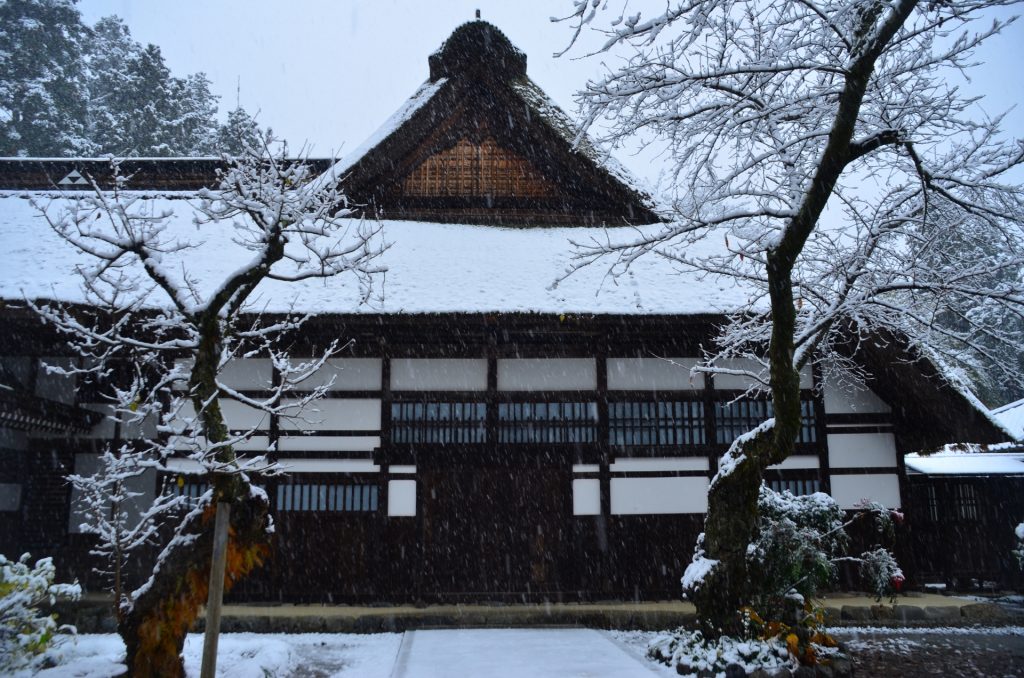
329 72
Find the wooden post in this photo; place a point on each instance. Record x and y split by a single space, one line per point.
216 595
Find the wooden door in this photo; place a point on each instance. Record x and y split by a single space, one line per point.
495 532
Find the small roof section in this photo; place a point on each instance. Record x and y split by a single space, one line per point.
968 461
480 143
1012 417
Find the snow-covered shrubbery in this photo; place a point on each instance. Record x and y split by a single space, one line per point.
26 633
691 653
801 541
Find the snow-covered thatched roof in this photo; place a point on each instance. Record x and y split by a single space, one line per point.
479 91
1012 417
431 268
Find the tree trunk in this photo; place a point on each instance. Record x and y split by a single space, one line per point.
732 519
155 624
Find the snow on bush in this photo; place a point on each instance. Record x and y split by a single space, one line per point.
691 654
26 634
801 540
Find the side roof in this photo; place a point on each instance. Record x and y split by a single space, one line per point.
480 142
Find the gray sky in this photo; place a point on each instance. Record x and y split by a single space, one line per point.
330 72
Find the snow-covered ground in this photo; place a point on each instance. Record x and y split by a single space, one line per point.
496 653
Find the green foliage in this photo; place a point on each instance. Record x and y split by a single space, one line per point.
800 542
793 557
26 634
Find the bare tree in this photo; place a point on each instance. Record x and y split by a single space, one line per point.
821 145
158 338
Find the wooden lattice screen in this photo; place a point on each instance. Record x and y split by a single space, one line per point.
468 169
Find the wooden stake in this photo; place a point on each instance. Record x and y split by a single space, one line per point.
216 596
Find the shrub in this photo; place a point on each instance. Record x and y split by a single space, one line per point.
26 634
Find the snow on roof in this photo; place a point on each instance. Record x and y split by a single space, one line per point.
968 460
420 97
431 268
1012 417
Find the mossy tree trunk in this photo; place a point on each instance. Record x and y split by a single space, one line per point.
732 519
155 625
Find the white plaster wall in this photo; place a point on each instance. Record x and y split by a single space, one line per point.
798 462
860 450
328 466
248 374
634 496
659 464
10 496
349 374
241 417
547 374
402 498
586 497
438 374
348 414
328 443
144 485
850 490
57 387
847 399
257 444
639 374
735 382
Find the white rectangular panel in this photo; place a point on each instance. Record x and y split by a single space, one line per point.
241 417
143 486
861 450
328 466
846 398
348 374
105 427
401 498
736 382
850 491
797 461
10 496
248 374
586 497
328 443
334 414
547 374
622 464
653 374
585 468
401 469
636 496
439 374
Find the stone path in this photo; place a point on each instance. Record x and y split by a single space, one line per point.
516 653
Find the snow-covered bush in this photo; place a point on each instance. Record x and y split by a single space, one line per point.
795 551
801 540
26 633
692 654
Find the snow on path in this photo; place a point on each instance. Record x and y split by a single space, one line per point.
518 653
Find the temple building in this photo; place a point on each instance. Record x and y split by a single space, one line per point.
494 430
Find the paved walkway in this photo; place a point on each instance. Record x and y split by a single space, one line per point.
515 653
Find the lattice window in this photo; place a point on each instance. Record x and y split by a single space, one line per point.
192 491
438 422
468 169
734 418
796 486
547 422
656 423
327 496
965 501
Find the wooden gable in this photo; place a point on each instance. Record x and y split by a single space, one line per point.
488 147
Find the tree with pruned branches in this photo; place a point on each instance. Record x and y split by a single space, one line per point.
156 337
821 143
